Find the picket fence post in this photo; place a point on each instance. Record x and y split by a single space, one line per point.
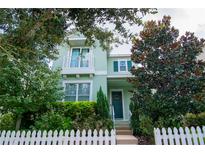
66 138
200 135
89 141
113 138
182 136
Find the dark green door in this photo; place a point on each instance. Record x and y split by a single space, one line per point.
117 104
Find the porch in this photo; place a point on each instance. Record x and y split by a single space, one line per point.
119 98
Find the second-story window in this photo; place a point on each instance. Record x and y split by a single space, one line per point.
79 57
122 65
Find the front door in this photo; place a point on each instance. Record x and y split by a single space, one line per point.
117 104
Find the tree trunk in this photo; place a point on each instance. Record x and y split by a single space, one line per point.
18 122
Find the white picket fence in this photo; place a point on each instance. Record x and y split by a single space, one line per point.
181 136
58 138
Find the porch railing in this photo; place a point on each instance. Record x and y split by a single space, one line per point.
130 114
113 117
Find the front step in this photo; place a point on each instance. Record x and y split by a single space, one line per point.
123 132
126 139
121 122
122 127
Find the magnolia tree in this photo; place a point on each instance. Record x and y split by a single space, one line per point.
169 80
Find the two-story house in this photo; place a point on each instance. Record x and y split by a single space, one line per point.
86 68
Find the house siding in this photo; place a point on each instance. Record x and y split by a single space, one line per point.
100 58
102 64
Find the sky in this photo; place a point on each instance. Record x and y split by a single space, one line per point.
184 19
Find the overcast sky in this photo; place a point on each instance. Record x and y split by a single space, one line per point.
192 20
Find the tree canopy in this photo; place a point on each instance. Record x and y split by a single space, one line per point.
29 40
42 29
170 80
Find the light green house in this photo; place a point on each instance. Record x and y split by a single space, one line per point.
85 69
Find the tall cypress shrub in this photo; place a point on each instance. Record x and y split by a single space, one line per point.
102 105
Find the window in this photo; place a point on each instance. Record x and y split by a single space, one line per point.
79 57
70 92
122 65
77 92
75 58
83 91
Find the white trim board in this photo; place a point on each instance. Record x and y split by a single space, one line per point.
100 72
76 38
120 76
119 55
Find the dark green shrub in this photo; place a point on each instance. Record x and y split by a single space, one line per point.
146 126
134 119
7 121
191 119
102 105
52 121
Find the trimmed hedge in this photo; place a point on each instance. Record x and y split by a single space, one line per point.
75 110
191 119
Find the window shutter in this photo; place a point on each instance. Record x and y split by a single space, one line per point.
115 65
129 65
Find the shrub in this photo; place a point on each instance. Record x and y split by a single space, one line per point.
102 105
92 123
83 115
7 121
146 126
52 121
104 124
191 119
75 110
134 119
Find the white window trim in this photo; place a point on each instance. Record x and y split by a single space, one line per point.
125 65
77 82
122 59
90 57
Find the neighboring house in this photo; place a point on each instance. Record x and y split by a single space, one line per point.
85 69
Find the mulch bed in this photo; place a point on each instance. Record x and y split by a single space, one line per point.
144 140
